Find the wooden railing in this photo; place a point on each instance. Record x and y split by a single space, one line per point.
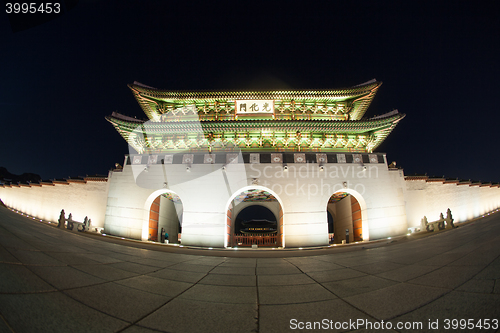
261 240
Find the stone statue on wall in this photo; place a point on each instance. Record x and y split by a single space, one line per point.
449 218
62 219
70 222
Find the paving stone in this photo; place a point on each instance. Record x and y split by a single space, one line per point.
35 258
266 262
280 269
182 276
490 272
105 272
441 259
4 327
191 268
455 305
234 270
54 312
359 285
128 304
448 277
182 315
138 329
318 267
387 303
134 267
335 275
7 257
155 285
221 294
286 317
496 289
476 258
230 280
408 272
153 262
293 294
243 262
284 280
210 261
72 258
104 259
19 279
478 286
64 277
356 261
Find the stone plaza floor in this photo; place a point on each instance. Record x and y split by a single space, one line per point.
53 280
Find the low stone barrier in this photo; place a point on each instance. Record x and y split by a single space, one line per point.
70 223
440 224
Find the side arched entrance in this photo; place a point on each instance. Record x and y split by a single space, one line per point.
345 218
165 213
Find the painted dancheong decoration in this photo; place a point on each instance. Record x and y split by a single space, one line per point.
288 120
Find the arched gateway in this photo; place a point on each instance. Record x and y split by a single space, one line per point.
230 154
254 217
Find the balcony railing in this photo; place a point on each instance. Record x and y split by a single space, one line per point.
260 240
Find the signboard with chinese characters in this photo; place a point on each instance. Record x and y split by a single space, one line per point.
254 106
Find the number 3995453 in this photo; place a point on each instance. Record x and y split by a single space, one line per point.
32 7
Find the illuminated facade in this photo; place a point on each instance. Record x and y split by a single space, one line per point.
289 151
266 168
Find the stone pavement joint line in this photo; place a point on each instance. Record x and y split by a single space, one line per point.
56 281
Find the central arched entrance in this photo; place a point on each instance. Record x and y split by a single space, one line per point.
345 223
254 217
165 214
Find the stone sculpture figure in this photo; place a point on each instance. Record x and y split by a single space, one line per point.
62 219
85 221
70 222
449 218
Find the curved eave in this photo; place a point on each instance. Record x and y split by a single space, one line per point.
381 134
263 94
382 126
148 97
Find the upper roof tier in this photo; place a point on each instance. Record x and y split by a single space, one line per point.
338 104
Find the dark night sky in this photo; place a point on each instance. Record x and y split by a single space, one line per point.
439 62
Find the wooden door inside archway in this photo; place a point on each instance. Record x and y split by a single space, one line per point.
154 216
357 226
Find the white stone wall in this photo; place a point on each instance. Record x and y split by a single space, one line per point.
45 202
302 190
429 199
389 204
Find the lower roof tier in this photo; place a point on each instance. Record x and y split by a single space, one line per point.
280 135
